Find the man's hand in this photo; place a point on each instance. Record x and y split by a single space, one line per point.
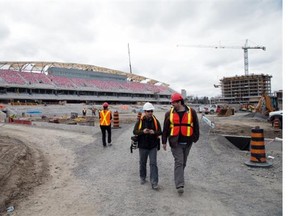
146 130
164 146
151 132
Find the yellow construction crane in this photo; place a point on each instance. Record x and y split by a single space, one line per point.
245 48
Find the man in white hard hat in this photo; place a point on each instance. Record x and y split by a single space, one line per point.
148 130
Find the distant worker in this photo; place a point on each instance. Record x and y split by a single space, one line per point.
105 117
181 128
148 129
84 111
94 111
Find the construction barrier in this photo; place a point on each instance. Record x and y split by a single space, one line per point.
23 104
257 149
208 121
19 121
276 125
139 115
116 120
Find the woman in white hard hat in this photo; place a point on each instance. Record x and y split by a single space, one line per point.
148 130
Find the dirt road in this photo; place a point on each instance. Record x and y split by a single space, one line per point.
74 175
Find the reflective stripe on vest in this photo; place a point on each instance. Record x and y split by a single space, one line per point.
155 123
105 116
186 124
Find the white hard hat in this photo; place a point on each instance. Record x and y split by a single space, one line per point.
148 106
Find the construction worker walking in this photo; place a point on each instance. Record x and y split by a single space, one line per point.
181 128
105 117
148 129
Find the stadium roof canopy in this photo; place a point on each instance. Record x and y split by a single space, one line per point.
42 67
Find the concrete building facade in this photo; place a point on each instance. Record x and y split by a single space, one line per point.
245 89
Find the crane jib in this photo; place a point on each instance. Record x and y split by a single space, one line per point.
245 48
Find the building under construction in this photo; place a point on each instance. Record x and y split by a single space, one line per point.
245 89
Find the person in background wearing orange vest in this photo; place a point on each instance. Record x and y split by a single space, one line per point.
181 128
105 117
148 130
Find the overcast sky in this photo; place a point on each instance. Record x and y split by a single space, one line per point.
98 32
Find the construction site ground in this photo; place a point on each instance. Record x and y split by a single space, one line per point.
60 169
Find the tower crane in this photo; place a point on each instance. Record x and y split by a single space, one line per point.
245 48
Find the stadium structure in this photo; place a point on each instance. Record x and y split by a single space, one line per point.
54 82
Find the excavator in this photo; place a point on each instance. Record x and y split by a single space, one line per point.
266 104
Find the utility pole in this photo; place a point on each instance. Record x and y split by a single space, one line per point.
129 59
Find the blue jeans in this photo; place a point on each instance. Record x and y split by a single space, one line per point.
143 155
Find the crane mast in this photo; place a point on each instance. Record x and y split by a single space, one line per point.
245 48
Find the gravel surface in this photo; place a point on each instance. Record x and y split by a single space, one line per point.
87 179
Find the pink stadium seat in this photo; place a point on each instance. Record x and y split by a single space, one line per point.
12 77
61 81
22 78
35 78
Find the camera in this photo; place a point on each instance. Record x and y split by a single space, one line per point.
134 143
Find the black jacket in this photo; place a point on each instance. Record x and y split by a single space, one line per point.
147 141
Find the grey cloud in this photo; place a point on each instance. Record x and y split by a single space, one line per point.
4 32
153 20
21 51
238 16
68 18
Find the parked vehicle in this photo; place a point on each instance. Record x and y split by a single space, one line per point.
207 109
276 114
201 109
212 108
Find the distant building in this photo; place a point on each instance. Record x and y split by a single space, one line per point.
245 89
183 93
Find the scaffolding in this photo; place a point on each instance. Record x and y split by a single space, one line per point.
246 88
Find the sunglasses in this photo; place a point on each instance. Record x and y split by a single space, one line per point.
174 102
149 111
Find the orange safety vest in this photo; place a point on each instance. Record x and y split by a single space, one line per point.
185 126
105 117
155 123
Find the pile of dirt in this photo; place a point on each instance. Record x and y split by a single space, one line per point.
21 169
242 125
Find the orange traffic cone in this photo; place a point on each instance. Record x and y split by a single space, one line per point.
276 125
257 149
116 120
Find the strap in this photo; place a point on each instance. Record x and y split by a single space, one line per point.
155 123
